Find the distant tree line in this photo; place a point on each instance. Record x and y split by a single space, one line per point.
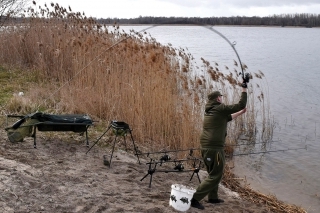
296 20
303 19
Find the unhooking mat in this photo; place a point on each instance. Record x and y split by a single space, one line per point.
46 122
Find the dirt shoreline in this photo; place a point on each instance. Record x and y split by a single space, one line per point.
59 176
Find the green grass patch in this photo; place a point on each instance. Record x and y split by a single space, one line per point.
13 81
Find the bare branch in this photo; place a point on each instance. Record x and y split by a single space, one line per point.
9 8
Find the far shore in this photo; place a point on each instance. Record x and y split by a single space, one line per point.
272 26
174 25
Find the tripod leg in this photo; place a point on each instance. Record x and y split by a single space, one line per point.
152 171
191 176
144 177
198 169
198 178
98 139
134 146
149 171
87 137
114 143
125 143
34 137
150 181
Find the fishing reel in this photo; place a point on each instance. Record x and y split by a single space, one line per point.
179 167
246 77
164 158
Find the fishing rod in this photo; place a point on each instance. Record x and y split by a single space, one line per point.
166 158
164 152
244 144
265 152
191 150
245 76
172 161
178 168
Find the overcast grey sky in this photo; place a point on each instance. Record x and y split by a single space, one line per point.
187 8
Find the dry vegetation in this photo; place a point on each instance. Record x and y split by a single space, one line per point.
79 66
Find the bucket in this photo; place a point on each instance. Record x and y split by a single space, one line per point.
180 197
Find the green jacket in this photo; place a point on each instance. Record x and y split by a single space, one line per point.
216 117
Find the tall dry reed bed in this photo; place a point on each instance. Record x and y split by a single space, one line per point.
84 67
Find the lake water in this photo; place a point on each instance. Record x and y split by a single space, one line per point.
290 61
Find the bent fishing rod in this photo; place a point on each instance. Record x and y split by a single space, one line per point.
231 44
245 77
127 36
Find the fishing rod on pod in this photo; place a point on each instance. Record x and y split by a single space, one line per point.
178 163
167 158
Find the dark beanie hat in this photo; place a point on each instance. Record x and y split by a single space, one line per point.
214 95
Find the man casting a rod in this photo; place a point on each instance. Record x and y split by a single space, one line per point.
212 141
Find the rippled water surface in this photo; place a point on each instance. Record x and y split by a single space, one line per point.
290 60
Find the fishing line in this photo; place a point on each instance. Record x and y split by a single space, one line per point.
115 44
129 36
124 39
